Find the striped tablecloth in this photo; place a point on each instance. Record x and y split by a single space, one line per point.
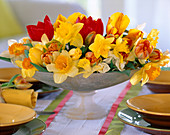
112 99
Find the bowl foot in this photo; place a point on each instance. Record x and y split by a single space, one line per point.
85 108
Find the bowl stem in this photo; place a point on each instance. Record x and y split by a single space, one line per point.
85 107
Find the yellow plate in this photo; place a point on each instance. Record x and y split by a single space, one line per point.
11 115
155 108
7 73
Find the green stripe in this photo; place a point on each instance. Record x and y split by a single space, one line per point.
54 104
117 126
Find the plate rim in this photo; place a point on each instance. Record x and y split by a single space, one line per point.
2 125
37 119
145 111
15 68
158 82
142 127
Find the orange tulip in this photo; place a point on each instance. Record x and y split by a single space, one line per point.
155 56
143 49
93 60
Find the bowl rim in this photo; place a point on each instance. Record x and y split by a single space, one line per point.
21 121
131 106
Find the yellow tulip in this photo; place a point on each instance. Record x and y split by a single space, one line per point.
117 24
35 54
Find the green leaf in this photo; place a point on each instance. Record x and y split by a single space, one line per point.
41 69
26 53
12 79
130 65
30 45
5 59
111 64
44 50
127 72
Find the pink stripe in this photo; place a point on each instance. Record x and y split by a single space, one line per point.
58 108
113 110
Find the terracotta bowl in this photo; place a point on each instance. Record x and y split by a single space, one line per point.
154 108
161 84
12 116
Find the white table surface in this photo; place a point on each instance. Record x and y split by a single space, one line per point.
62 125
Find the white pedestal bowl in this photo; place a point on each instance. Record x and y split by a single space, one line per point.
84 89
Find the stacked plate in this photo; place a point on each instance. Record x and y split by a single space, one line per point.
150 113
161 84
19 120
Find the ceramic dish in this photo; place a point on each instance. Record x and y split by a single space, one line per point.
34 127
134 119
161 84
154 108
12 116
7 73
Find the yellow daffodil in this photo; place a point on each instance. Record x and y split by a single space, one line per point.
121 46
115 60
149 72
117 24
103 68
153 37
68 32
101 46
88 70
75 53
85 64
62 66
72 19
28 70
116 55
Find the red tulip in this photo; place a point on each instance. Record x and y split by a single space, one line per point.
90 25
36 31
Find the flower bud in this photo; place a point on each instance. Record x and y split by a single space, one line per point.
155 56
75 53
54 46
93 60
21 83
90 38
47 57
143 49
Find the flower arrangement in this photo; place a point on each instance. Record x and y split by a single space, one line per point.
76 45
